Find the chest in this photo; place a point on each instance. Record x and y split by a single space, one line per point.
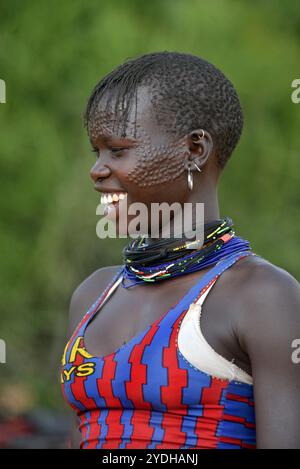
127 312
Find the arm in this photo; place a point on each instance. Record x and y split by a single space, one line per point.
270 325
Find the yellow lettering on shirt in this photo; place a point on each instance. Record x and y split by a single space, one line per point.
76 349
85 369
68 373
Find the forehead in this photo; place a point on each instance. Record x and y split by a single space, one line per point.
141 121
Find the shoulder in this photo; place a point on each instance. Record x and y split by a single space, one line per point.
268 329
268 300
87 293
257 273
261 282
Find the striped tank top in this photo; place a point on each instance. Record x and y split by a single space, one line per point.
147 395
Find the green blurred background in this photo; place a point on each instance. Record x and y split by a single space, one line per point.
51 56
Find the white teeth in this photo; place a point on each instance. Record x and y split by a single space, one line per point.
109 198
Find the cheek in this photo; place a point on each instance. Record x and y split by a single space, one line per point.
157 165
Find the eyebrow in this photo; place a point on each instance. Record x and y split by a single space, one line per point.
109 139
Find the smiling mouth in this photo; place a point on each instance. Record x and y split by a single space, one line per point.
109 198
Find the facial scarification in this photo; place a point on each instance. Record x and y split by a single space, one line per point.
154 164
157 164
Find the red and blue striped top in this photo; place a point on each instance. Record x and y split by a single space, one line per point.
147 395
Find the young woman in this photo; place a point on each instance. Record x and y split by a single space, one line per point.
149 364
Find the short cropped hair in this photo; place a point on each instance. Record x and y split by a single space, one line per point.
187 93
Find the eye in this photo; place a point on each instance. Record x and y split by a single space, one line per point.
117 150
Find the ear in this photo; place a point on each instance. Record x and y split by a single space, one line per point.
199 144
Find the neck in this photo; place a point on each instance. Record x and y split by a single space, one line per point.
207 212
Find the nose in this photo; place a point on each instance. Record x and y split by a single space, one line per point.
99 171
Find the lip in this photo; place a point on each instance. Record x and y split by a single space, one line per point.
108 191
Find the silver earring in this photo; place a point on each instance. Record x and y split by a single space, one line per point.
190 179
200 170
200 137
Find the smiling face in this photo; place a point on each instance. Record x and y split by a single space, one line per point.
147 164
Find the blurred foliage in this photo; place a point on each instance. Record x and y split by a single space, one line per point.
51 56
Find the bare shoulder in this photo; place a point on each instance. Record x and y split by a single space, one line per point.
267 298
258 279
250 271
88 292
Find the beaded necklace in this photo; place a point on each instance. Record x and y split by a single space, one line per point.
167 258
